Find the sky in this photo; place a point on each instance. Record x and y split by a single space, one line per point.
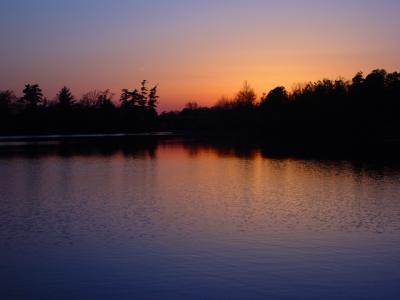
195 50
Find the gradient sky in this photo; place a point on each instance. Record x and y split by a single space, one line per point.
196 50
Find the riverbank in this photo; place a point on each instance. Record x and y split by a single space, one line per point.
239 144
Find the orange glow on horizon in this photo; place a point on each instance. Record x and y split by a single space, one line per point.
195 51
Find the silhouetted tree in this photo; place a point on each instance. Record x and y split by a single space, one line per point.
340 88
153 99
246 97
90 99
104 100
224 103
375 81
125 99
7 98
33 95
136 98
65 98
277 96
142 100
97 99
392 81
358 79
131 99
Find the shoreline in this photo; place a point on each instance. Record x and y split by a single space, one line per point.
239 143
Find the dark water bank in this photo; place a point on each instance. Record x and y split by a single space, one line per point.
238 144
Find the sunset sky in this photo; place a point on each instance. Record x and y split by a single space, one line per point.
196 50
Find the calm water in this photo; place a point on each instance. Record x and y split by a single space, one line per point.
177 221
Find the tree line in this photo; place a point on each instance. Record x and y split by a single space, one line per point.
365 107
95 111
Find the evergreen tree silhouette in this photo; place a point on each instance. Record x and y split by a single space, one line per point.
153 99
65 98
33 95
125 99
143 94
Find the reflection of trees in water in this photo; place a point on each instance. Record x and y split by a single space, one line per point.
142 147
262 189
374 158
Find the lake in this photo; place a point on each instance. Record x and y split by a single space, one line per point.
181 220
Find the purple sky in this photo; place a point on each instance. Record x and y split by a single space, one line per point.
196 50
